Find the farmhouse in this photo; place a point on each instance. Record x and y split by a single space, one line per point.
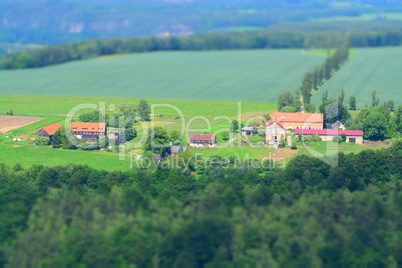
352 136
88 132
337 125
48 131
250 130
274 132
202 140
299 120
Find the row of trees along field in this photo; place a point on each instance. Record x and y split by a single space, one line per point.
248 40
314 79
306 214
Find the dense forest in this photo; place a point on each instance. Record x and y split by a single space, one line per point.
306 214
252 40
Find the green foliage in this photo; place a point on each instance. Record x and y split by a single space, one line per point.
11 113
60 140
352 103
24 60
227 216
334 111
374 125
282 143
225 135
379 66
42 141
128 109
144 110
266 117
285 99
310 108
343 137
158 142
126 134
234 126
337 139
261 130
374 100
314 137
312 80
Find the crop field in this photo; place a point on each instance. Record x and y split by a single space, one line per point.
231 75
369 69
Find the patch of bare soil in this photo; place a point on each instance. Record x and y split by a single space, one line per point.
378 143
17 146
281 153
8 123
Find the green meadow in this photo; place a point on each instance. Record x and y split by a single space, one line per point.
369 69
230 75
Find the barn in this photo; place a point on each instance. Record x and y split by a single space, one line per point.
48 131
202 140
352 136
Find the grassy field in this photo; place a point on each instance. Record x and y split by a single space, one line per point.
243 75
369 69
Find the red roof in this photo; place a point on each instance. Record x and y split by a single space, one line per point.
272 121
50 130
329 132
298 117
88 127
202 137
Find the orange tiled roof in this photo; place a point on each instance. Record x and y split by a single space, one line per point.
272 121
88 127
50 130
298 117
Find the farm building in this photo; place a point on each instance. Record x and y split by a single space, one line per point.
48 131
176 149
250 130
299 120
274 133
202 140
337 125
352 136
88 132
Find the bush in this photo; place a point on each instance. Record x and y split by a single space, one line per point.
225 135
294 146
337 139
42 141
343 136
312 138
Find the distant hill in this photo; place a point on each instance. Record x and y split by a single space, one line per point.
64 21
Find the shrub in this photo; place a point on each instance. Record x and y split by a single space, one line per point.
42 141
294 146
343 136
337 139
225 135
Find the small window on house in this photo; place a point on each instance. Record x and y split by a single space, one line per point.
84 128
100 128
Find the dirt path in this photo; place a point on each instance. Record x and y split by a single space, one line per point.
282 153
8 123
378 143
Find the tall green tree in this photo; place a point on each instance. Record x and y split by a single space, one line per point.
352 103
285 99
144 110
374 125
374 100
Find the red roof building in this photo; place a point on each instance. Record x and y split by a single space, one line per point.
88 128
48 131
298 120
202 140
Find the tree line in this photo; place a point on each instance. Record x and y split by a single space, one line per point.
314 79
212 41
307 214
